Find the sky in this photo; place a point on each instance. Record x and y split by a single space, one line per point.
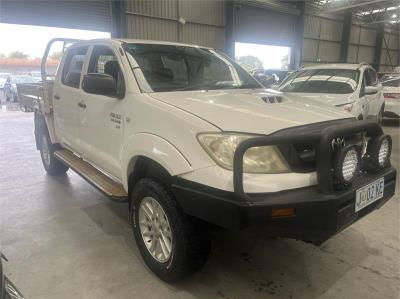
270 56
32 40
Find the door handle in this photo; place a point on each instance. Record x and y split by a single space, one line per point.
82 105
57 97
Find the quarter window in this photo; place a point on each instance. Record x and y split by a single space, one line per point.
71 75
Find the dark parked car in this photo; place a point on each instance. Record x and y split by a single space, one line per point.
10 87
270 77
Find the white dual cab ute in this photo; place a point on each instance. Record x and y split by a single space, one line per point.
189 139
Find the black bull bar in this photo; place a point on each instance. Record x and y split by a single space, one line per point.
323 142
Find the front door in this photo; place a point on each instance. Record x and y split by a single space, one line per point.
102 116
372 100
66 96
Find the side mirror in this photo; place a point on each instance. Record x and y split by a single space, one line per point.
371 90
102 84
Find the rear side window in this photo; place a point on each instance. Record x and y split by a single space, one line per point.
72 71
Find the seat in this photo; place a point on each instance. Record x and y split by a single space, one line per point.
112 68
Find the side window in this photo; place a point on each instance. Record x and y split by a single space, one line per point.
370 77
104 61
71 74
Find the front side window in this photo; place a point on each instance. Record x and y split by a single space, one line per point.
370 77
71 74
335 81
165 68
104 61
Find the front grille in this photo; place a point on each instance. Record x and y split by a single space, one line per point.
302 157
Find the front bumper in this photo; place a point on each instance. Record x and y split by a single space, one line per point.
319 211
317 216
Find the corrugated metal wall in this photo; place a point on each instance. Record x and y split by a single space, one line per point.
89 15
390 51
158 20
322 39
362 44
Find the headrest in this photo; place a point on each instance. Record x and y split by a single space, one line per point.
112 68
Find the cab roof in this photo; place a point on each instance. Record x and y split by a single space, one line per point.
136 41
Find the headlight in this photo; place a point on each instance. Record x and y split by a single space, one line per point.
221 148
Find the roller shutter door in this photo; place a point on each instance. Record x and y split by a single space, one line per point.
263 26
89 15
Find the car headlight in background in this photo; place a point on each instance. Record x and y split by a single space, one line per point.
379 150
263 159
347 164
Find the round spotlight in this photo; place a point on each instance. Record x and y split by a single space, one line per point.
347 164
384 152
379 150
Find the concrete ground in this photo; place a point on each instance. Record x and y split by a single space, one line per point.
64 239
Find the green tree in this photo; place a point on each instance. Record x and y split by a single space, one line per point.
251 61
56 55
17 54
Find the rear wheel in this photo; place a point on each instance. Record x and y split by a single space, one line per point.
50 163
172 244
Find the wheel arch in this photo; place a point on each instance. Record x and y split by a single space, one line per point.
148 154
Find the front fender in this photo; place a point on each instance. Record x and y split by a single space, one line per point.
155 148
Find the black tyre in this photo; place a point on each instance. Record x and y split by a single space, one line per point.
171 243
47 149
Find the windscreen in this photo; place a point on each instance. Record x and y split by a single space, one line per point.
335 81
392 83
177 68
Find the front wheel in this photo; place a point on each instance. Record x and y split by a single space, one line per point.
172 244
50 163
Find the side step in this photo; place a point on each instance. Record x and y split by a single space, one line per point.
105 184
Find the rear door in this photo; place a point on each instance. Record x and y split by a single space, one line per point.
66 97
102 116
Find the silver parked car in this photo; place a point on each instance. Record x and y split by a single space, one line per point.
10 87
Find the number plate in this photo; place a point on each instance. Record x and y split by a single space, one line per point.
370 193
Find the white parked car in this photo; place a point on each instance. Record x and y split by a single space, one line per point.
189 138
352 87
3 79
10 86
391 93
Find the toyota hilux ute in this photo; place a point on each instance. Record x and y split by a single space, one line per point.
190 139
